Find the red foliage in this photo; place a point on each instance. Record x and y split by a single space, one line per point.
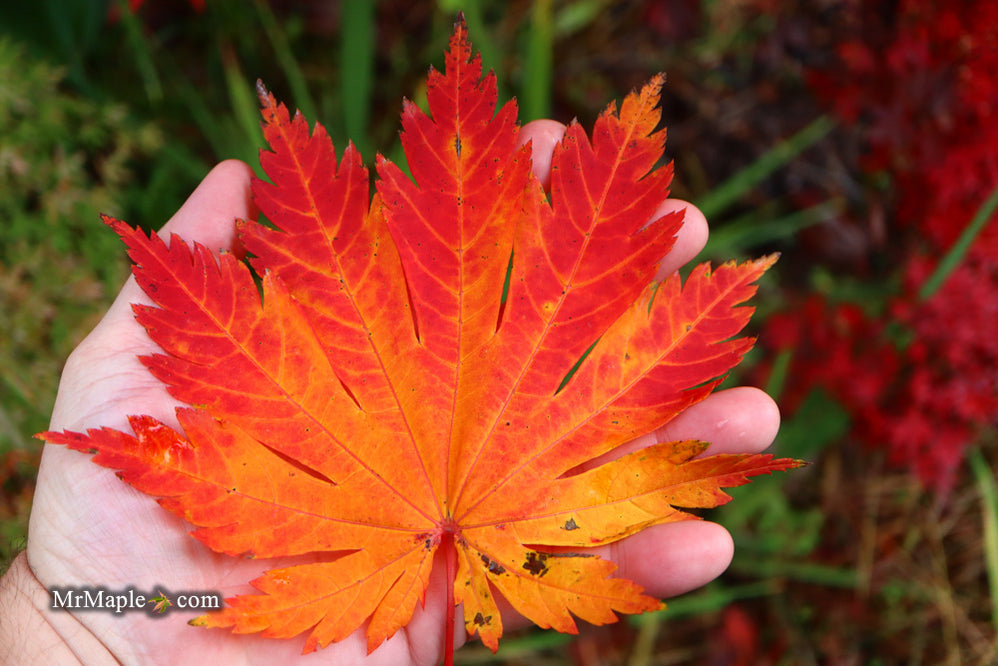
953 385
920 80
135 5
738 639
842 350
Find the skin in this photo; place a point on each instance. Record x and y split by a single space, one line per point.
88 528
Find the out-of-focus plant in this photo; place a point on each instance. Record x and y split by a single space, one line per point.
63 159
916 366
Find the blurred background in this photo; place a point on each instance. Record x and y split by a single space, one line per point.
859 139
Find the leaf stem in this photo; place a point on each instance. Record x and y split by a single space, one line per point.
450 553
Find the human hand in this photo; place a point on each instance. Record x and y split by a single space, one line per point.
88 528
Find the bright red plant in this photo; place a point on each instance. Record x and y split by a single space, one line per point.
919 75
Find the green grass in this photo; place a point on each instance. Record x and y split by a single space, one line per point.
984 477
723 196
955 255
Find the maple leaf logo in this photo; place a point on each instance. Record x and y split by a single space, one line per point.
160 603
411 379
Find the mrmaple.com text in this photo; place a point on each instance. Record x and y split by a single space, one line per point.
96 598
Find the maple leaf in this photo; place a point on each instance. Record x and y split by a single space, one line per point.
162 602
410 380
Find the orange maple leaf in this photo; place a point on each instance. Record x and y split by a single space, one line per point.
411 379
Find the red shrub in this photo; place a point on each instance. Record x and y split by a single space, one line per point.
920 82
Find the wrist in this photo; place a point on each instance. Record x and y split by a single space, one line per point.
32 633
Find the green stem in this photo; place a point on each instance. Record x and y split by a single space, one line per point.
357 52
732 189
537 88
956 253
989 503
141 52
245 107
289 64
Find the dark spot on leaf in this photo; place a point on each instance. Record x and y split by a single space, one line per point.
536 564
493 567
570 525
482 619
